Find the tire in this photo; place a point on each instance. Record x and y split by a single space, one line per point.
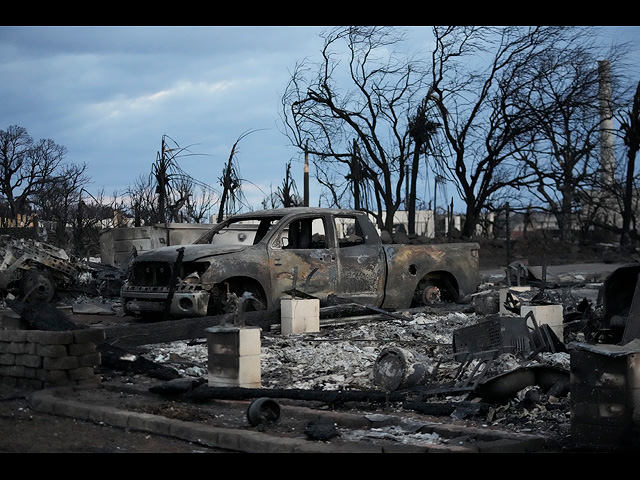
37 286
430 291
224 300
427 293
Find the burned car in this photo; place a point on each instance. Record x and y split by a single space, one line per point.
34 270
333 255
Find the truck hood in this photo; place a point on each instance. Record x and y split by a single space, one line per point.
191 252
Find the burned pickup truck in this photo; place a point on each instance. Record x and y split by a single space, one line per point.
333 255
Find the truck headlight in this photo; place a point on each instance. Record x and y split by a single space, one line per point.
185 303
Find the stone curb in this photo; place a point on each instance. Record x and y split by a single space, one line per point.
54 401
49 401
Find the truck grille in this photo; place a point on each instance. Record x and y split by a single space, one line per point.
151 274
148 274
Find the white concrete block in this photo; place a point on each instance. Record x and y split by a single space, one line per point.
234 356
300 307
243 372
289 325
299 315
551 315
503 296
312 323
249 341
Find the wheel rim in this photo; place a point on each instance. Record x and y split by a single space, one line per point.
431 294
38 287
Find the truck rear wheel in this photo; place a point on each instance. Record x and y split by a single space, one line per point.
434 288
430 294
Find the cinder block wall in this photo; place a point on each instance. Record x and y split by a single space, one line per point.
40 359
605 398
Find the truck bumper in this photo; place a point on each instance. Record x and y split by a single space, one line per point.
139 301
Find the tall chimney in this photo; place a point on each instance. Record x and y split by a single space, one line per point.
607 160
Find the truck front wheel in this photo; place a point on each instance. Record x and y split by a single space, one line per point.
227 295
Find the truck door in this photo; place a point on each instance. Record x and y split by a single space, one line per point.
304 258
362 263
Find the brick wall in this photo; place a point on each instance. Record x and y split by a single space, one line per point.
39 359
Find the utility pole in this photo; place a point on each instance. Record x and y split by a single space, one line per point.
306 174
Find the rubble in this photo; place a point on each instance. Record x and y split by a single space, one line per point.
31 270
518 380
342 359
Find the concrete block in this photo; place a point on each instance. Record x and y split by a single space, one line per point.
12 320
298 307
234 356
289 325
312 324
60 363
238 341
299 315
234 371
13 335
89 335
50 337
551 315
249 341
503 296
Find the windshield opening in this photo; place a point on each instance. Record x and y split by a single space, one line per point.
248 231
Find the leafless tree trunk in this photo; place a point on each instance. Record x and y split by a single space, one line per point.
366 104
421 129
231 183
141 201
566 103
58 201
486 126
26 166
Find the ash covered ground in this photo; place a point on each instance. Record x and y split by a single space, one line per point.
343 357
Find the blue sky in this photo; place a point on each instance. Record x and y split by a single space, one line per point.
109 94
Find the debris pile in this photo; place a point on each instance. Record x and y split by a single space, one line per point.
456 360
343 358
35 271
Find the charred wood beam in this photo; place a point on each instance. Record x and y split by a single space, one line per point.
151 332
333 397
203 394
354 309
147 333
42 316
